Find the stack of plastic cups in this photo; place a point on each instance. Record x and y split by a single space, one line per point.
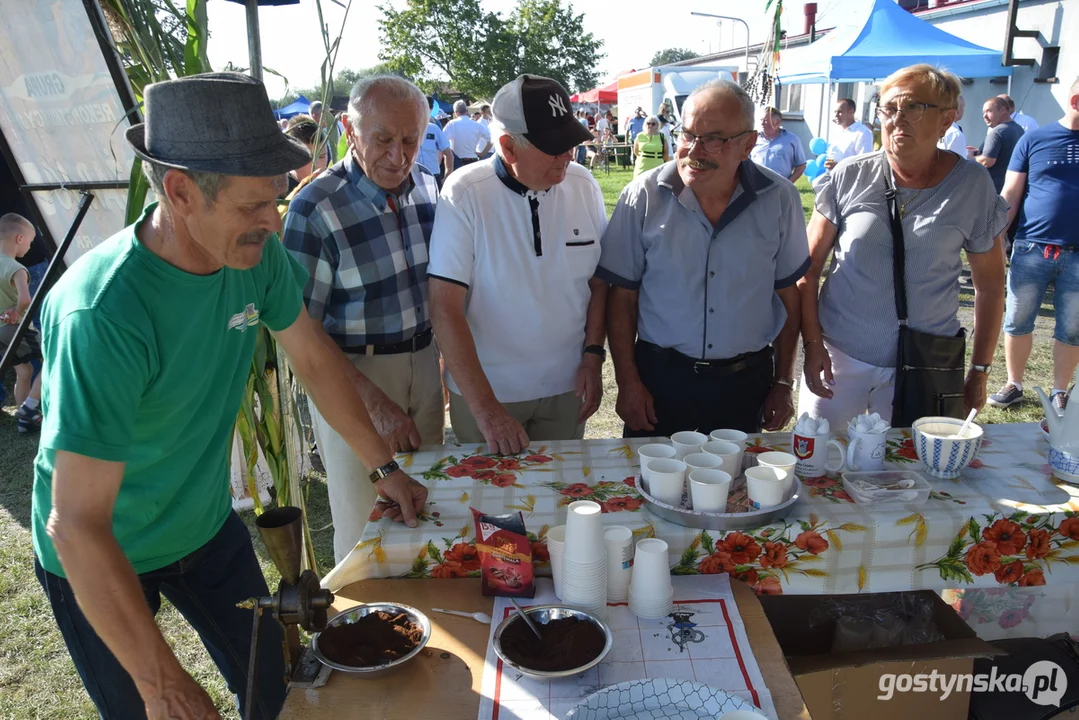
651 594
556 545
619 540
584 559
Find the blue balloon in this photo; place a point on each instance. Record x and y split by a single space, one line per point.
813 169
818 146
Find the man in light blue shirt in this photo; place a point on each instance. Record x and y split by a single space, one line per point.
702 255
777 149
435 153
635 125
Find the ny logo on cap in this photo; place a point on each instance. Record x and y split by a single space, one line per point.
557 108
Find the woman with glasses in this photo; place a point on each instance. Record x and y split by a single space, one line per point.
650 148
946 205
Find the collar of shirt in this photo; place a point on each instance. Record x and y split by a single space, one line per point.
369 189
751 182
512 183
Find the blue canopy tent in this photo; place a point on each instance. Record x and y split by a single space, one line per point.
890 38
297 106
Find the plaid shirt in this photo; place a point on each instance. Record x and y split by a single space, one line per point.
368 263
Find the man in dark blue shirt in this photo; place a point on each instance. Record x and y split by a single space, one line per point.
1043 180
999 143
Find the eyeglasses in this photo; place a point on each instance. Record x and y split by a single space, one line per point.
912 111
708 143
651 124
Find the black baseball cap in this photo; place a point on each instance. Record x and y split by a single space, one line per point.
539 108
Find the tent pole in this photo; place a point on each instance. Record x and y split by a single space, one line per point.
254 43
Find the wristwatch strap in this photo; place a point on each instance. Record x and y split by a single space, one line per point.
596 350
381 472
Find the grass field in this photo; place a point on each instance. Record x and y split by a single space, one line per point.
37 679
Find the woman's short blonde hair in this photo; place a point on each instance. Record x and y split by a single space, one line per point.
944 85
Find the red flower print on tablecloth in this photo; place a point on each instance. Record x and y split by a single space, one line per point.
717 562
742 547
1009 572
457 471
1032 578
465 554
901 450
485 475
748 576
1069 528
487 467
621 503
775 555
769 586
631 481
540 552
449 570
820 482
538 458
509 464
811 542
504 479
983 558
577 490
1038 544
1008 536
482 462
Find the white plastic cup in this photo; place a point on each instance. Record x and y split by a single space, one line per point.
687 442
651 577
556 544
729 453
619 540
708 490
767 486
584 532
781 460
701 461
737 437
667 481
653 451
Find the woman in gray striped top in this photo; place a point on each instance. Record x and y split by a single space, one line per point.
948 205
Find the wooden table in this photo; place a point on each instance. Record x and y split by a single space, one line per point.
445 681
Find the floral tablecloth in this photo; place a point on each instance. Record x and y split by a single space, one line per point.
1001 542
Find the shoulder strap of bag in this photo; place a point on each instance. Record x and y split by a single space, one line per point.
898 250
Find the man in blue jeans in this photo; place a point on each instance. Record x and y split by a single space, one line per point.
1043 179
148 342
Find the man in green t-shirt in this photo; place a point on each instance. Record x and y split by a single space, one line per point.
148 342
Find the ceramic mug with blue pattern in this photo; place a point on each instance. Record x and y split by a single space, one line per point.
937 444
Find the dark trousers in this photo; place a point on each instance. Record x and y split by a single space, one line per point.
460 162
205 587
703 398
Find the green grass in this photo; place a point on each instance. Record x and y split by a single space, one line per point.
37 679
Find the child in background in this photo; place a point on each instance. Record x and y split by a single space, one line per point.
16 234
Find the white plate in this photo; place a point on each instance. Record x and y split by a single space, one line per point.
658 698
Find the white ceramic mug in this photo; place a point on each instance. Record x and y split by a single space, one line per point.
865 451
812 454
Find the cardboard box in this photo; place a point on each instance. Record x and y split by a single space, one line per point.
847 686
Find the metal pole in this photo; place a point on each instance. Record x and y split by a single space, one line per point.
55 264
728 17
254 43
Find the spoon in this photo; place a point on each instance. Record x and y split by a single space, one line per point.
477 616
970 417
527 619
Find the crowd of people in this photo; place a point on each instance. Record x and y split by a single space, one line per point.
478 260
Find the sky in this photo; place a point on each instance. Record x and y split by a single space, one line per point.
631 30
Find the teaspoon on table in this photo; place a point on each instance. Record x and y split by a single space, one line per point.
477 616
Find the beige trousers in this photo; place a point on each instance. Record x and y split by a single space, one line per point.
411 380
549 418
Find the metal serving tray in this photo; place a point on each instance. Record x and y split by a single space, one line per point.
683 515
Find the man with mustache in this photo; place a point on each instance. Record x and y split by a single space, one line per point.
702 254
361 230
517 311
148 343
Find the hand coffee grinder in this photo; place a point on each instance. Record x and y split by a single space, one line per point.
298 602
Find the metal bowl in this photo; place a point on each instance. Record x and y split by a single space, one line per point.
352 615
541 615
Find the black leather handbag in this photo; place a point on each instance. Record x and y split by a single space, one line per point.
929 377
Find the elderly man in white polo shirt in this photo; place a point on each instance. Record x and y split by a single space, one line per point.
517 311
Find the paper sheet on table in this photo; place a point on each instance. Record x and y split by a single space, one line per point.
720 657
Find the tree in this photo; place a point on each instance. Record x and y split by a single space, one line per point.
672 55
342 84
478 52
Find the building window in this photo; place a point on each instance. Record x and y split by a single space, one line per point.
790 99
847 90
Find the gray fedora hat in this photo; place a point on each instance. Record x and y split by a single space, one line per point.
217 123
